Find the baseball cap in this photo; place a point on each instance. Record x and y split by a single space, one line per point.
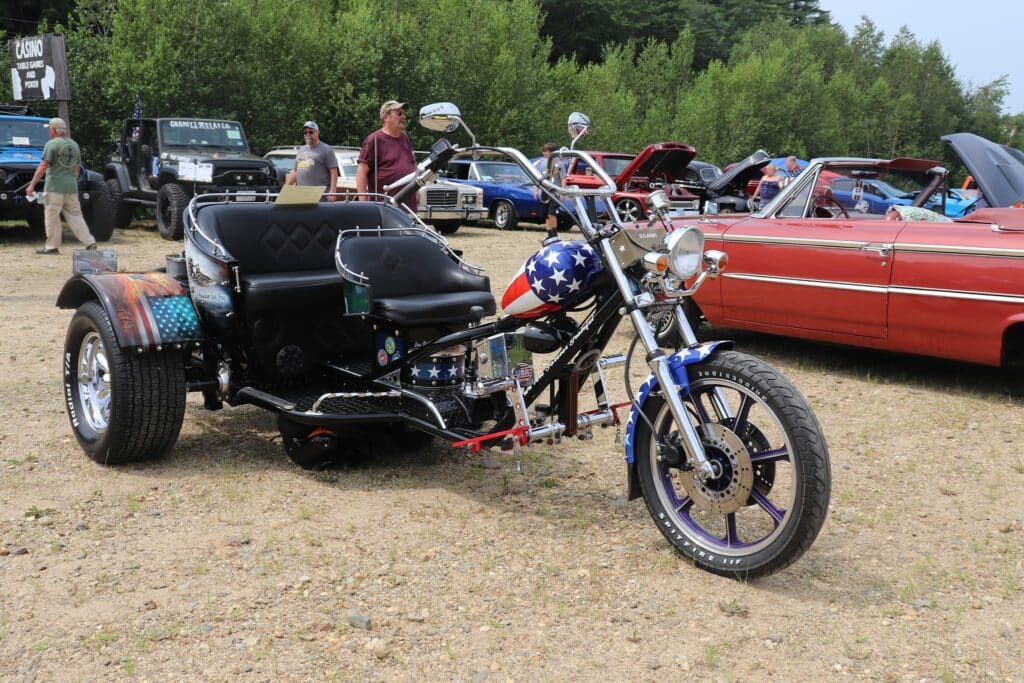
311 125
391 104
56 124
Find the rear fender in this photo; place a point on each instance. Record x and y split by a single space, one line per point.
149 311
677 362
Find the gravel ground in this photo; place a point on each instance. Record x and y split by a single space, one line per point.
225 561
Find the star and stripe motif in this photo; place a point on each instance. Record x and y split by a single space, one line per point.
554 277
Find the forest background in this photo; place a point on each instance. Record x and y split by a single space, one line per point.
726 76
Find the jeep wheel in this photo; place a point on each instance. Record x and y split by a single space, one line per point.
99 214
170 207
447 227
36 223
504 215
123 213
123 406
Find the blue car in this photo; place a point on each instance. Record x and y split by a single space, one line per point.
22 137
508 192
876 196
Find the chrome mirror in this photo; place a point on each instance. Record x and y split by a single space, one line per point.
711 208
579 125
443 117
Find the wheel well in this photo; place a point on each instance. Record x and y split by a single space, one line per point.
1013 346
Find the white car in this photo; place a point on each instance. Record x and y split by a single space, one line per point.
442 204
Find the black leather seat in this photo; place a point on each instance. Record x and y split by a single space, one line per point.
285 254
414 283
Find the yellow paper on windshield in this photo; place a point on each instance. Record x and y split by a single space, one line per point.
299 195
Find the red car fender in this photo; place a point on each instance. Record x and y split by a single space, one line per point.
148 311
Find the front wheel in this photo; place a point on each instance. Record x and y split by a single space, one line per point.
447 227
99 215
505 217
170 209
629 210
768 499
123 406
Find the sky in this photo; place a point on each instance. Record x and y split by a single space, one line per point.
980 38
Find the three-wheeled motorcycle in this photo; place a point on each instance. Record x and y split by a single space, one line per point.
350 318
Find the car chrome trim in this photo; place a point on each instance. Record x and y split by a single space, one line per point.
960 250
953 294
848 244
820 284
881 289
794 241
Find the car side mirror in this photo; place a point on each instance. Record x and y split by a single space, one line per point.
711 208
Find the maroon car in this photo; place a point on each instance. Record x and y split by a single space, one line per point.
660 166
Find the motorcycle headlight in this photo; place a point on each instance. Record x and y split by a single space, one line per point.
685 249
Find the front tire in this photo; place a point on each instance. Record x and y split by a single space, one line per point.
170 208
123 213
771 495
629 210
447 227
505 216
99 216
123 406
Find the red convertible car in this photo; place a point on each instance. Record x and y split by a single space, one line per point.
846 269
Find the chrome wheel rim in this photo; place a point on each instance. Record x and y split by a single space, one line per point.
94 382
629 211
501 215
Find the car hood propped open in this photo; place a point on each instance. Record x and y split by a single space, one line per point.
997 169
668 157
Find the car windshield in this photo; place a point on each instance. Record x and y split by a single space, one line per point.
501 172
283 162
202 133
23 133
613 166
865 192
347 166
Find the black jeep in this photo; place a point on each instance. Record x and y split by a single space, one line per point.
22 138
164 162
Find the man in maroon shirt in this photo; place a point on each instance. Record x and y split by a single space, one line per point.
386 154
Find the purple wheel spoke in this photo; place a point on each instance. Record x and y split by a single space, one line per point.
767 506
684 506
773 455
740 423
732 536
698 408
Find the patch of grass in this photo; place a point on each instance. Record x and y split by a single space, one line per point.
101 638
550 482
41 646
129 666
712 655
37 512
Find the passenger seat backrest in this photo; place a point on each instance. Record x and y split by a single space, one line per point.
407 265
264 238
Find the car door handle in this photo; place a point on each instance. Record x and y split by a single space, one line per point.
881 249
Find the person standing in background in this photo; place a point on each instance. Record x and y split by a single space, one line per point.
316 163
62 162
386 155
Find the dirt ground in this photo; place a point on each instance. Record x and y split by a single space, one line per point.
225 561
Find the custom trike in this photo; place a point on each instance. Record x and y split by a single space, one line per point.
350 319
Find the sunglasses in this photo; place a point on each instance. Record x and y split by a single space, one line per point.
308 132
398 112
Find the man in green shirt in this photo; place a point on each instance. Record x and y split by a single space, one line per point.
61 163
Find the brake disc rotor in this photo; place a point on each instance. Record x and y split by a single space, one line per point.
727 492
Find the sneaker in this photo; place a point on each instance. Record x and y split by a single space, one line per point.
44 250
91 247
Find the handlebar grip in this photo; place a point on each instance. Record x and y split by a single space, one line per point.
404 193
